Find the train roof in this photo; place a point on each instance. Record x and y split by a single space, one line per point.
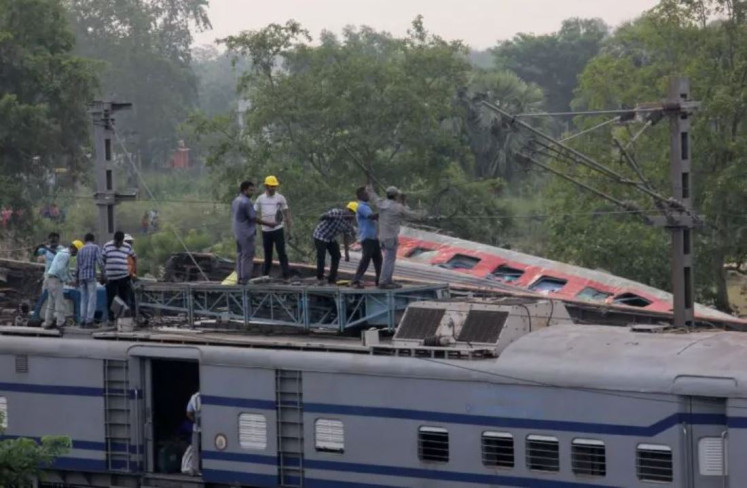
703 363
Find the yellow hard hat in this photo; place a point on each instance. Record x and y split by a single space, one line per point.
353 206
78 244
271 181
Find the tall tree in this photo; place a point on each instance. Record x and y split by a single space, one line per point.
322 117
145 46
553 61
44 95
676 38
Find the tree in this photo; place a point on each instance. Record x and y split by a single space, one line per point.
145 47
553 61
44 95
325 118
23 459
676 38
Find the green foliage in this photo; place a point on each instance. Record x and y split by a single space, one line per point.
23 459
44 94
553 61
324 118
145 50
634 67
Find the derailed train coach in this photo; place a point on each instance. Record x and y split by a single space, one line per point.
562 406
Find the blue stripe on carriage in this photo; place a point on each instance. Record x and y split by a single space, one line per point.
53 389
238 402
241 477
519 423
396 471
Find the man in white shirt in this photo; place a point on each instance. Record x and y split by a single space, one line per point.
194 407
271 206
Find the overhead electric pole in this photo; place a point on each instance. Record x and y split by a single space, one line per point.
680 219
106 194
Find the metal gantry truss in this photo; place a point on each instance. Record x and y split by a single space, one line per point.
304 307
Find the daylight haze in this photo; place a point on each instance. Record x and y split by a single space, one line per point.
480 23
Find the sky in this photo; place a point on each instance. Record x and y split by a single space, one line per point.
480 23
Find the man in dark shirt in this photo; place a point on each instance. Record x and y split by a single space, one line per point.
244 222
331 223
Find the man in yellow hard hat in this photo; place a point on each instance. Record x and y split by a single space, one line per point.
331 223
271 206
57 276
89 258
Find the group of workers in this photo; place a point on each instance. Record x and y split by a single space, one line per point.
116 263
377 233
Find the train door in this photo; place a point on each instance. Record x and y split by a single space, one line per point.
707 441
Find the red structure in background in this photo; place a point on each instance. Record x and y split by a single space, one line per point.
180 158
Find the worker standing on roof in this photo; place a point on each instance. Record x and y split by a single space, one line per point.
391 212
57 276
47 253
272 207
244 223
368 236
117 271
89 257
333 222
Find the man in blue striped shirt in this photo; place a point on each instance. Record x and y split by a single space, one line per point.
116 270
89 257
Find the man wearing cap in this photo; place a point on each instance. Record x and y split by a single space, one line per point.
57 276
89 257
244 224
333 222
271 206
391 213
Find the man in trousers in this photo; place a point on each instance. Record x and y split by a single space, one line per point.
244 223
333 222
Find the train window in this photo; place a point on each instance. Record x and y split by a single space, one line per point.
460 261
593 294
329 435
543 453
654 463
433 444
711 458
252 431
588 457
422 253
631 299
507 273
3 413
498 449
547 285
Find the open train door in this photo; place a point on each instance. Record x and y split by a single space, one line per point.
707 440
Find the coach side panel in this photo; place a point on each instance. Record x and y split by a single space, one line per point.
393 429
57 396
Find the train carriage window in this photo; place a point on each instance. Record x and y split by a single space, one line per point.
654 463
498 449
460 261
506 273
252 431
329 435
588 457
543 453
632 300
592 294
711 459
548 284
433 444
3 413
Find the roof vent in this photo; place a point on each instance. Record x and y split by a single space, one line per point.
486 324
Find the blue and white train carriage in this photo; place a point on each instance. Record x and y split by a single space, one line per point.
562 406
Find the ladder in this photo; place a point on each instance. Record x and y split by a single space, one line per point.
117 415
289 400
